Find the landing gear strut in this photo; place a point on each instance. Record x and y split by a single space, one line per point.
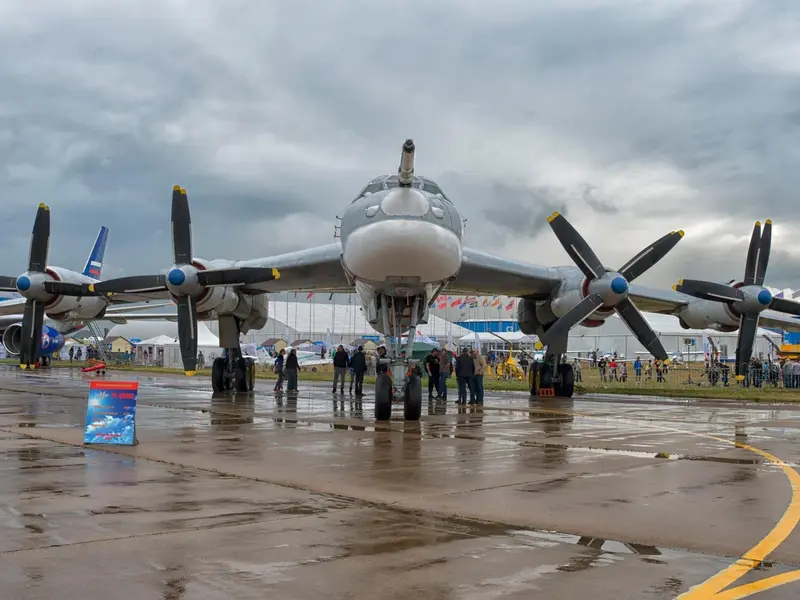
405 380
232 371
551 377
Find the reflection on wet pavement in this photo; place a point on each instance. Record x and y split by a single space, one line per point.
307 497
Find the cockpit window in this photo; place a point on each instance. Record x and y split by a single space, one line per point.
372 188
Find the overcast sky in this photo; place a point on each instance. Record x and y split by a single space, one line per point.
633 118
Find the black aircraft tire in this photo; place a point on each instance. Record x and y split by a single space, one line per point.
545 376
533 378
241 375
566 387
251 374
383 397
218 375
412 403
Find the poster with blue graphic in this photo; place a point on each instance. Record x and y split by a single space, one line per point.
111 413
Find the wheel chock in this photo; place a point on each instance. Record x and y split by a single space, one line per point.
548 392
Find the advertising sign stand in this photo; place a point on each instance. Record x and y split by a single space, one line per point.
111 413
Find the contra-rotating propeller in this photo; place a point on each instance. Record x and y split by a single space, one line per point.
609 289
31 286
184 280
748 299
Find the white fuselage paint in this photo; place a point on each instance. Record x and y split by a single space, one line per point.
416 251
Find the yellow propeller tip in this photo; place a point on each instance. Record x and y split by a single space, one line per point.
23 367
675 287
183 192
176 188
190 373
276 274
553 216
681 233
666 361
91 287
758 223
44 206
768 222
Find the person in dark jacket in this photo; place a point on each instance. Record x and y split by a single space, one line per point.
291 368
465 371
358 363
432 368
341 360
279 363
381 368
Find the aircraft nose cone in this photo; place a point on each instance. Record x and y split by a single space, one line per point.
764 297
176 277
23 283
619 285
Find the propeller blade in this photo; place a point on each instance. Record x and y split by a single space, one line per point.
62 288
576 314
237 276
789 307
640 263
748 326
628 312
577 248
40 240
31 342
8 284
752 256
181 227
763 252
187 332
136 284
708 290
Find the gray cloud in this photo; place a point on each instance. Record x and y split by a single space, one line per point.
630 117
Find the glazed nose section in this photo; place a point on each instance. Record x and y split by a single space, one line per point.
405 202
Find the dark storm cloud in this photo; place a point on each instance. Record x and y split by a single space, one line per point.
273 115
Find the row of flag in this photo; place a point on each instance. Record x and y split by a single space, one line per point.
443 302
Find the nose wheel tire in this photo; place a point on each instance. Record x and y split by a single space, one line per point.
218 375
383 398
566 386
412 402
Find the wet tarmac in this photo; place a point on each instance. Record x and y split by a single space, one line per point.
259 496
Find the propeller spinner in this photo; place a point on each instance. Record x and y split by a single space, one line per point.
608 288
748 299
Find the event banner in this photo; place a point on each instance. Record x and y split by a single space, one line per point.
111 413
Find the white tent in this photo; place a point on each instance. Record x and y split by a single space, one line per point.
515 337
159 340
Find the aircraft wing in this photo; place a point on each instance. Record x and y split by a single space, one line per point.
121 318
16 306
487 274
315 269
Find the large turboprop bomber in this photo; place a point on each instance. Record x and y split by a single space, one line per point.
400 245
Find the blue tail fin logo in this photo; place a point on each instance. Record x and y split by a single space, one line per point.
94 265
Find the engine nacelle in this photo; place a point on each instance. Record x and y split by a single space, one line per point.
705 314
549 310
52 341
67 308
259 313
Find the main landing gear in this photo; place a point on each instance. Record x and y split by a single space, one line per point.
232 371
551 377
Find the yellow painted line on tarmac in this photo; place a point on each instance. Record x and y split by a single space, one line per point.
713 588
748 589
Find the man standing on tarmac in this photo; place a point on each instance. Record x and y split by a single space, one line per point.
465 371
341 361
432 368
477 378
358 363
